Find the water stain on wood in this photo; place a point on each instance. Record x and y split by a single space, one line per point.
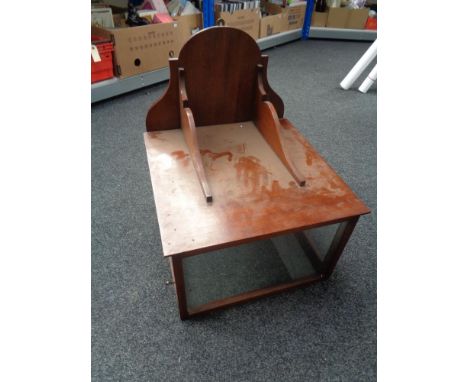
157 135
182 156
299 138
215 156
179 154
209 157
251 172
273 199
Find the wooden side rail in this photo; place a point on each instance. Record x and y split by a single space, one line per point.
268 123
190 134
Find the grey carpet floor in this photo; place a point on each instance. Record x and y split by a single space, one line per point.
324 332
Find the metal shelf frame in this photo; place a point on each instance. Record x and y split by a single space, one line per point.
116 86
307 19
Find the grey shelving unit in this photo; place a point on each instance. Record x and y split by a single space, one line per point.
116 86
343 34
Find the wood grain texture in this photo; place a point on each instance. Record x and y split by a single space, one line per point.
164 113
190 135
220 126
221 71
220 65
268 123
255 195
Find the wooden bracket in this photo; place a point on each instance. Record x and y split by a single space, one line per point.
268 123
273 97
190 134
164 113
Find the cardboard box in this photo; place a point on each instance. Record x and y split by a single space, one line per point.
337 17
319 19
247 20
142 49
270 25
357 18
347 18
294 15
189 25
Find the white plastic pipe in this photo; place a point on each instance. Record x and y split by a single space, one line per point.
360 66
369 81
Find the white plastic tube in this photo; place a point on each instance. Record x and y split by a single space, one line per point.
360 66
369 81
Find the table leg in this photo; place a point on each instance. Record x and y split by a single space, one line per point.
178 273
310 251
324 269
338 244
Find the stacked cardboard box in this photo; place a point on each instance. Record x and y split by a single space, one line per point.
189 24
347 18
294 14
341 18
145 48
247 20
319 19
273 24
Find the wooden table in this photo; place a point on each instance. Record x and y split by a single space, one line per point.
260 221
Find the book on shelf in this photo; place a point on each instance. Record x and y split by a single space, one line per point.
232 6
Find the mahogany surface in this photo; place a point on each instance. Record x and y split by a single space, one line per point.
219 78
221 72
268 123
164 113
220 125
220 65
255 195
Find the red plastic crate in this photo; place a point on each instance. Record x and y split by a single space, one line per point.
102 70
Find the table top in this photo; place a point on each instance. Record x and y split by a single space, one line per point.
254 195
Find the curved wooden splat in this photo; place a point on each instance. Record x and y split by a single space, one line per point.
220 74
268 123
164 113
190 134
273 97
